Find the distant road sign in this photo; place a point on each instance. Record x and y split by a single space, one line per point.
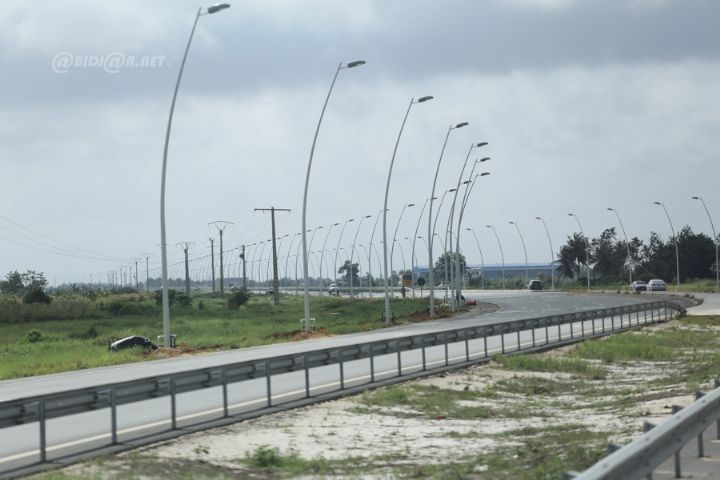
421 281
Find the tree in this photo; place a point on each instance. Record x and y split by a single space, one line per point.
439 272
21 284
572 255
346 268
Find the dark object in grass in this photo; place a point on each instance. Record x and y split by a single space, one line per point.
130 342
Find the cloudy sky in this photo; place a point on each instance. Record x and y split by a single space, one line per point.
585 105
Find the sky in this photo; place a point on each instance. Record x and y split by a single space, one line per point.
584 105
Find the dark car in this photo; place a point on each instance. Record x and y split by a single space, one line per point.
638 286
131 342
535 285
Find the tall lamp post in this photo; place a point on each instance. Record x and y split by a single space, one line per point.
631 264
437 215
677 255
394 239
306 291
502 255
482 260
587 247
466 195
322 253
163 237
385 206
524 249
715 241
552 252
452 215
431 312
370 246
415 237
337 249
352 253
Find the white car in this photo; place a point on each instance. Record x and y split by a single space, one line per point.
656 285
333 289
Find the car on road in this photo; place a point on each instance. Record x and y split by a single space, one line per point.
535 285
333 289
656 285
638 286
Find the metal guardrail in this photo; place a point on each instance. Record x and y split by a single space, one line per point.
640 457
44 407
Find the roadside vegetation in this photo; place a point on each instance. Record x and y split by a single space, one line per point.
74 329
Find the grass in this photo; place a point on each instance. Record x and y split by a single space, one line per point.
534 363
82 342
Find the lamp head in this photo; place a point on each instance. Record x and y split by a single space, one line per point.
611 209
538 218
481 144
484 159
452 189
217 7
484 174
356 63
411 205
461 124
696 198
657 203
424 99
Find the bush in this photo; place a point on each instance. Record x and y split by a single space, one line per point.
237 299
172 297
183 301
36 295
34 336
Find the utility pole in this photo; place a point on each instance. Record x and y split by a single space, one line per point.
212 262
137 285
221 225
147 271
276 293
186 246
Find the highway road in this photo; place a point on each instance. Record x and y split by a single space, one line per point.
72 434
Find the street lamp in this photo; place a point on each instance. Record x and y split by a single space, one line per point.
466 195
524 249
587 247
385 206
451 217
306 292
482 260
715 241
337 249
502 256
413 262
677 255
552 252
437 215
287 259
163 239
627 244
394 239
322 257
352 253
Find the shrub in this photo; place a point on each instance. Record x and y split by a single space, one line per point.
34 336
237 299
201 305
183 301
172 297
36 295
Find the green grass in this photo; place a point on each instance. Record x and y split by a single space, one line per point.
82 341
535 363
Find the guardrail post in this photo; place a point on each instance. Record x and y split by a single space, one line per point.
612 320
547 335
113 416
637 318
399 358
572 334
717 424
173 411
342 369
467 347
306 365
645 316
559 333
485 345
424 366
701 445
582 328
502 342
533 337
621 321
372 364
41 421
268 385
447 355
652 315
647 426
678 470
518 340
223 380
